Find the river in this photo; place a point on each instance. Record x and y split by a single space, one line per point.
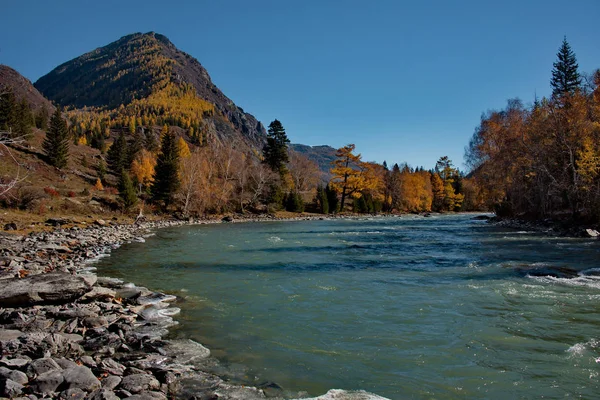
404 307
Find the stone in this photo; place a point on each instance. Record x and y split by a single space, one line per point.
72 394
64 363
47 382
100 222
50 288
82 378
592 233
15 375
95 322
99 293
10 388
57 248
112 367
227 219
57 221
148 396
88 361
139 382
7 335
102 394
59 345
111 382
41 366
13 363
11 226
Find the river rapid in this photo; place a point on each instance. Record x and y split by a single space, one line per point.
404 307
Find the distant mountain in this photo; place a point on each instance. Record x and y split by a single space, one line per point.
23 89
148 73
322 155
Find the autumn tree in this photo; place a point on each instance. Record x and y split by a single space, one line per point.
304 172
166 174
56 143
275 151
347 173
142 168
565 75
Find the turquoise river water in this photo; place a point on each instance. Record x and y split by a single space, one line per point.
403 307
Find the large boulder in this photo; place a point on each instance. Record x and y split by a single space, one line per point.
81 378
52 288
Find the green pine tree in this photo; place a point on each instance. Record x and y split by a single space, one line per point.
565 77
294 202
117 155
275 152
24 119
322 201
332 199
126 191
56 143
150 142
101 169
8 111
166 173
41 118
136 145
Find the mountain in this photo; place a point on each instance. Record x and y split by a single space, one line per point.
23 89
322 155
147 76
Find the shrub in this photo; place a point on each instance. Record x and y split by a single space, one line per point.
51 191
71 194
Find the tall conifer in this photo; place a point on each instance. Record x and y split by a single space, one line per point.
166 173
117 155
56 143
565 77
275 151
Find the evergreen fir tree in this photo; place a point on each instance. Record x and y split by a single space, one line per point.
166 173
293 202
56 143
136 145
565 77
101 169
41 118
126 191
150 141
24 119
332 199
117 155
8 111
322 201
275 151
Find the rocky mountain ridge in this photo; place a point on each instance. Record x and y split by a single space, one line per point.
133 68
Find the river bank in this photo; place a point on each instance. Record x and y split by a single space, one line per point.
67 333
558 227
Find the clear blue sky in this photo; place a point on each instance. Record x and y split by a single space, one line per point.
404 81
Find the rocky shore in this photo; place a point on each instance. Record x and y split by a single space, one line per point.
66 333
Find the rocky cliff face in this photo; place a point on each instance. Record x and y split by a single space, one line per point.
134 67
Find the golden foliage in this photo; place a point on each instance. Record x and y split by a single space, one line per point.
142 168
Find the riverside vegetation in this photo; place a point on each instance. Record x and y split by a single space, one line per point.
145 131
